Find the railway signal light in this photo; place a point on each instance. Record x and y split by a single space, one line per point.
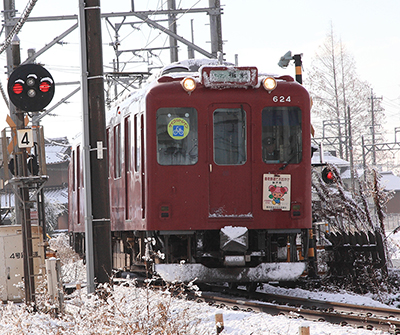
33 165
327 176
30 87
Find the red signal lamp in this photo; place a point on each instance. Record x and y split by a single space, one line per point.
18 88
44 86
327 176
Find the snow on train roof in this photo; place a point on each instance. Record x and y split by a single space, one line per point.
180 69
191 65
175 70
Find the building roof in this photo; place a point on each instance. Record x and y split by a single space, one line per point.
330 159
59 194
347 174
390 181
56 194
58 150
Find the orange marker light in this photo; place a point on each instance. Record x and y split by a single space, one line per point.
188 84
269 83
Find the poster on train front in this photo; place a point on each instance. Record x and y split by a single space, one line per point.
276 192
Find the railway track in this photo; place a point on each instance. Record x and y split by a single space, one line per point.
385 319
357 316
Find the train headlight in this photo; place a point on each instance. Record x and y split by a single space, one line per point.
269 83
188 84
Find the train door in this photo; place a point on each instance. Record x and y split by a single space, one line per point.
230 161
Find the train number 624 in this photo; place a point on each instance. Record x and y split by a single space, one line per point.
281 98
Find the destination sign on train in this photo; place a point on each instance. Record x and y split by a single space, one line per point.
229 76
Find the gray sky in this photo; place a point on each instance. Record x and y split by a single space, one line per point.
259 31
369 30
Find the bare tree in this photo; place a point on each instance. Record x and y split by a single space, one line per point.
53 209
334 85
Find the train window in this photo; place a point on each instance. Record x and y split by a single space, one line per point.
78 167
117 152
73 171
127 146
230 136
281 135
135 141
177 136
108 149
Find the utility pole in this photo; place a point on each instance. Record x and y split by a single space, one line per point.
216 27
339 134
350 149
190 50
9 14
173 43
364 158
95 169
373 125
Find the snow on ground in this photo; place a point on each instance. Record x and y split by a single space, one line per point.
131 310
341 296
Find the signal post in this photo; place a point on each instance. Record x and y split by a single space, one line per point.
22 212
30 89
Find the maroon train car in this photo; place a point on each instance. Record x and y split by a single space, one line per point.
210 176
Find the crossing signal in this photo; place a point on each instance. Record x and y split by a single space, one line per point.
328 176
30 87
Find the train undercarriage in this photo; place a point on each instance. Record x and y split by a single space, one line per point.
232 254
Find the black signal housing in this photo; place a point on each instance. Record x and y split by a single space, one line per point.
327 176
30 87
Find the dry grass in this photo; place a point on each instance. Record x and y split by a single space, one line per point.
123 309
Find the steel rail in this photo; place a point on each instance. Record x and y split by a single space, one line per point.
368 317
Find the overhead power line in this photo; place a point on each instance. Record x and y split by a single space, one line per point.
15 30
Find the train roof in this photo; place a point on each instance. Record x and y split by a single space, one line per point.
181 69
193 66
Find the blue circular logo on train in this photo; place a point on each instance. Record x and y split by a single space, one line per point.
178 128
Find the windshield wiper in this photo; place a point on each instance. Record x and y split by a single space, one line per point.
285 164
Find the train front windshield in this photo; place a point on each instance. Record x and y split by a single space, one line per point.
281 135
177 136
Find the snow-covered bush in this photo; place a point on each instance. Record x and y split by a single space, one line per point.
119 309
